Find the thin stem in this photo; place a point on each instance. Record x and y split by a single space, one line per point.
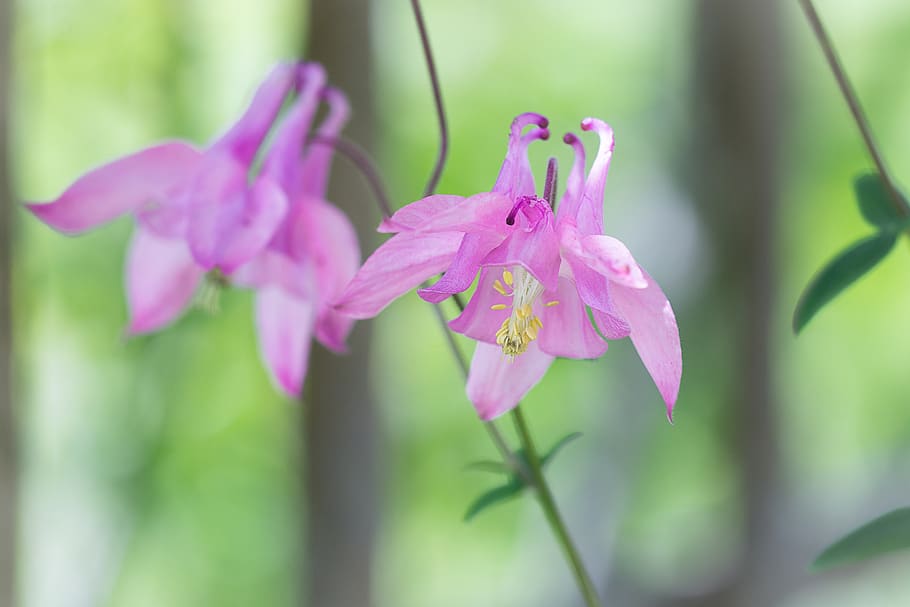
437 97
496 436
360 159
849 94
548 504
533 477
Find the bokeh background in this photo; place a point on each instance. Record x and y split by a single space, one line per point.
166 471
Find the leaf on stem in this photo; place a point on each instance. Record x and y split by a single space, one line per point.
888 533
875 202
840 273
494 496
515 483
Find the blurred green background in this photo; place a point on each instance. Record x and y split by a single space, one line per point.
165 470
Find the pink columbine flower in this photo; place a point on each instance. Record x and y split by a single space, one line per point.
196 211
538 274
313 254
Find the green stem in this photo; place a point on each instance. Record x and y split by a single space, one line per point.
900 205
554 518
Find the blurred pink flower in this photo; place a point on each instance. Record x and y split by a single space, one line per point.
198 212
195 210
537 275
313 254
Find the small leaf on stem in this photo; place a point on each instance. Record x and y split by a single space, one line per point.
888 533
840 273
875 202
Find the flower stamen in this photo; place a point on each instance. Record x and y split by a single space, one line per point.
522 326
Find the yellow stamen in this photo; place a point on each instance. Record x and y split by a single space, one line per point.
507 276
500 289
550 304
498 307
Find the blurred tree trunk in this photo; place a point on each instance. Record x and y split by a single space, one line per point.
8 480
340 425
738 126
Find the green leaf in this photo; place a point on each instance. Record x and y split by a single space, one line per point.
888 533
488 465
492 497
565 440
840 273
875 202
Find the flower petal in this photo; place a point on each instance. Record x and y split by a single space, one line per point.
282 163
484 212
317 161
231 222
411 216
460 274
161 279
122 186
567 330
285 326
610 257
654 334
515 177
252 228
243 139
396 267
478 321
323 238
497 383
536 249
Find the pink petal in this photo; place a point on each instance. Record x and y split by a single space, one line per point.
314 169
285 326
333 328
485 212
590 216
231 222
460 274
282 163
243 139
252 228
272 268
161 279
655 335
593 287
515 177
478 321
537 250
610 257
411 216
567 330
497 383
396 267
575 183
323 238
122 186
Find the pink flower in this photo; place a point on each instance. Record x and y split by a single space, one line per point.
538 275
195 210
311 257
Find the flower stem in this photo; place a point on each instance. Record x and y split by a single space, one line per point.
360 159
437 97
900 205
548 504
531 473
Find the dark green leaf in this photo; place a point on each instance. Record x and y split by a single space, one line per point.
875 202
493 497
565 440
885 534
840 273
489 466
